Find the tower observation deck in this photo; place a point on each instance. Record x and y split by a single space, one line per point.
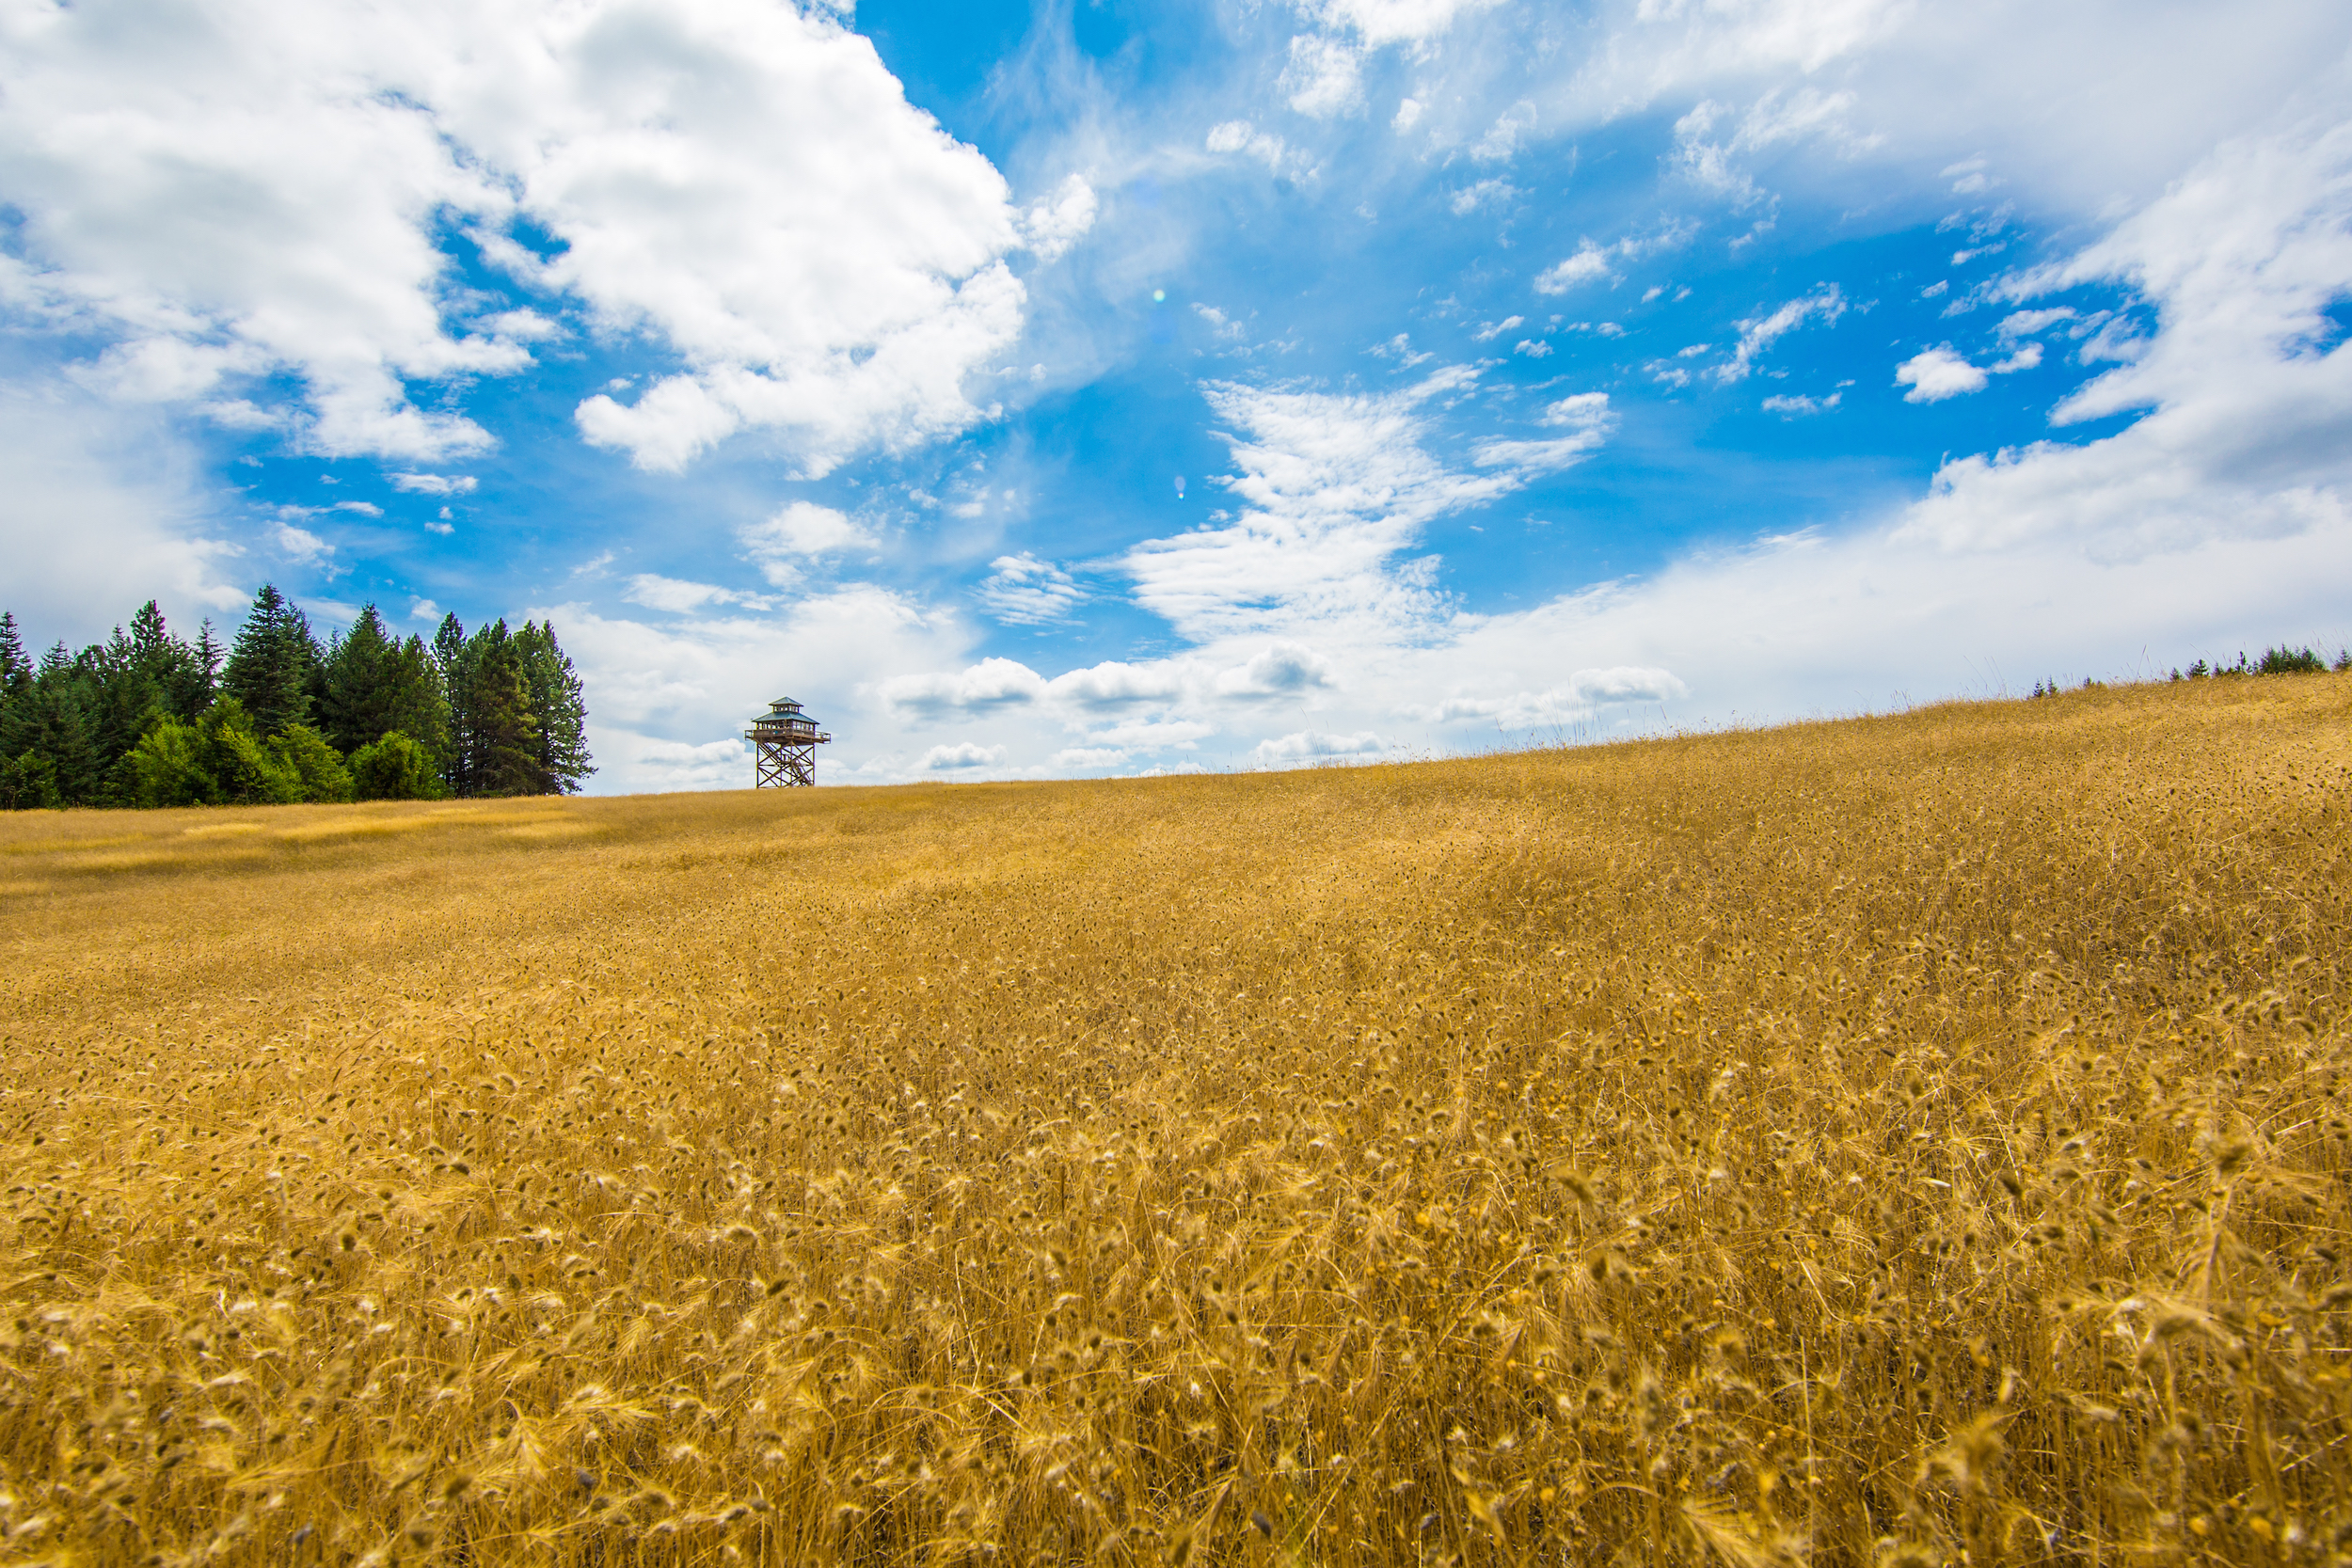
784 746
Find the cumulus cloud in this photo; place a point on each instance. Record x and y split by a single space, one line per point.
1053 226
433 485
681 597
1302 745
91 487
2248 396
1584 694
1324 77
1590 261
1936 373
299 543
264 189
1239 135
799 532
664 690
961 757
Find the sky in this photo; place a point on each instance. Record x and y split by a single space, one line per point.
1093 388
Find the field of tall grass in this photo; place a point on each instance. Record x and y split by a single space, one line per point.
1901 1141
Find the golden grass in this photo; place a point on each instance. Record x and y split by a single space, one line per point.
1900 1141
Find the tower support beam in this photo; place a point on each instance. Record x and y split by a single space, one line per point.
784 747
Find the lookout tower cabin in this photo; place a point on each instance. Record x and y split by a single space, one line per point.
783 745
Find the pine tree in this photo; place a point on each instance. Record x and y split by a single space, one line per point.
200 681
503 732
558 703
16 670
272 668
356 712
124 699
452 662
46 739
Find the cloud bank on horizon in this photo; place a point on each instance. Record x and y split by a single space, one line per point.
1520 370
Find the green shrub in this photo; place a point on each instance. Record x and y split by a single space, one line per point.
305 752
395 767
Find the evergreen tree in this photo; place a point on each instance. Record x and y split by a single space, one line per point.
272 669
16 670
199 681
415 705
501 731
46 738
376 684
452 662
558 705
356 711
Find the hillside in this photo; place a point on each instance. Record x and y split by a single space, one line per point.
1876 1140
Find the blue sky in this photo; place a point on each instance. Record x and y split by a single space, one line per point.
1102 388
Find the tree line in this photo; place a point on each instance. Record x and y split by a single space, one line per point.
149 717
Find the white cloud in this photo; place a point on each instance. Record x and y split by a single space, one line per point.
1502 140
1825 303
2022 324
365 509
1790 404
1239 135
1282 670
1090 756
1053 226
1486 193
2248 425
1590 261
1936 373
960 757
1332 486
801 529
1386 22
1586 417
1324 77
1409 111
91 487
1024 591
1302 745
680 598
1492 331
688 680
433 485
992 683
262 187
1586 692
1535 348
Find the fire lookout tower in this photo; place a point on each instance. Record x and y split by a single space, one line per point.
785 741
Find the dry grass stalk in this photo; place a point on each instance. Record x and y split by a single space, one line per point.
1909 1141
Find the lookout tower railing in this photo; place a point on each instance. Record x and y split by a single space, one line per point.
784 747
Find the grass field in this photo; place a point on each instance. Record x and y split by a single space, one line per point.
1910 1140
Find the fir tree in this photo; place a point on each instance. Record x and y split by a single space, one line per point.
502 733
558 705
451 661
16 670
46 737
272 668
200 683
355 710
